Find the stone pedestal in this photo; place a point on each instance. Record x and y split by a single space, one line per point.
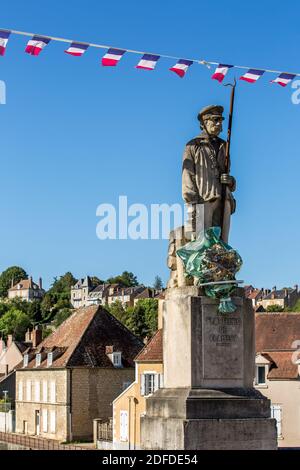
208 400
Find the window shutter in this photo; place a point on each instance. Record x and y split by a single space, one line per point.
45 420
161 380
21 390
156 382
142 384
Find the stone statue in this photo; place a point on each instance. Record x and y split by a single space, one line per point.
203 174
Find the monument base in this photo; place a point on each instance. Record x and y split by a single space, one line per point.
199 419
208 401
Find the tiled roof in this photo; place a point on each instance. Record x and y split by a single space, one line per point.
278 294
276 331
153 351
252 294
82 339
282 366
145 294
25 284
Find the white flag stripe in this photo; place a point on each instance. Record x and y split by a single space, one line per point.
112 56
147 63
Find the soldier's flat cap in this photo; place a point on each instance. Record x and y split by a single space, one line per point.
212 110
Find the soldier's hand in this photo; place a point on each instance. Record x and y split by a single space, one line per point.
228 180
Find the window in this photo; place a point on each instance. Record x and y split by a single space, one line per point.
45 420
20 390
276 413
45 391
28 390
150 381
52 391
52 421
123 425
260 375
49 359
37 390
117 359
25 360
38 360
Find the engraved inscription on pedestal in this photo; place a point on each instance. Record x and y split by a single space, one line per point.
222 343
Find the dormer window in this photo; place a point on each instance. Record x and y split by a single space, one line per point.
49 359
117 359
38 358
25 360
260 375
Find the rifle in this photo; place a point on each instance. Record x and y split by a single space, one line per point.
227 152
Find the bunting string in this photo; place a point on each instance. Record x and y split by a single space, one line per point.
147 61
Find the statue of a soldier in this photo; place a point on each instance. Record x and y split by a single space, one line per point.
204 173
206 188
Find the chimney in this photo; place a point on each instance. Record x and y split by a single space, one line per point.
28 336
40 283
274 288
296 288
37 336
286 292
9 340
109 349
6 369
12 282
2 345
273 296
30 282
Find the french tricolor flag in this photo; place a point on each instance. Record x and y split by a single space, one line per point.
148 62
284 78
252 75
36 45
76 49
220 72
181 67
112 57
4 35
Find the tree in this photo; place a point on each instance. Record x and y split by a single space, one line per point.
96 281
274 308
58 296
126 279
142 318
158 284
15 274
61 316
14 322
118 311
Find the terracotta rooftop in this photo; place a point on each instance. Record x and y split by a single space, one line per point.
282 366
153 351
276 331
25 284
252 294
81 340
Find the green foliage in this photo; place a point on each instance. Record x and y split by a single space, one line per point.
14 322
158 284
15 274
96 281
46 332
61 316
295 308
118 311
58 296
274 308
142 318
126 279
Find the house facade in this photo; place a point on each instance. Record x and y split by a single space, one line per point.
278 371
26 290
73 376
131 404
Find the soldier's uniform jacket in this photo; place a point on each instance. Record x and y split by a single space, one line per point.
203 163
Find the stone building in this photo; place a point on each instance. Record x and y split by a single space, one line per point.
278 371
131 404
74 375
286 297
26 290
80 292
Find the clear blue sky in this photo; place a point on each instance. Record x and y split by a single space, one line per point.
75 134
